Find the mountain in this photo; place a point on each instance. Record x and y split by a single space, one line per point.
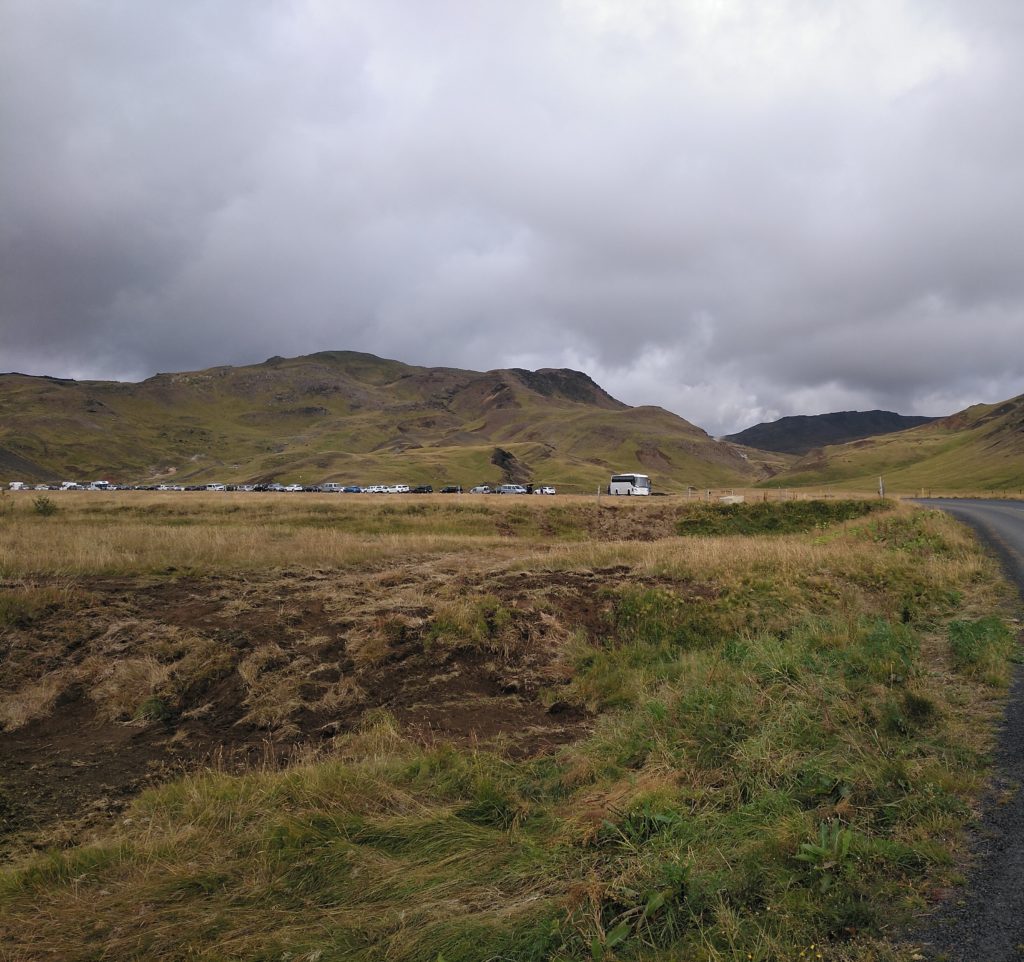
346 416
979 448
803 433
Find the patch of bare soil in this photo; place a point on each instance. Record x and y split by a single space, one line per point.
131 681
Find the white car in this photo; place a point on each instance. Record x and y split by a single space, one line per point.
547 489
293 487
481 489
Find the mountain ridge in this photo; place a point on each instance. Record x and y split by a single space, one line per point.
802 433
343 415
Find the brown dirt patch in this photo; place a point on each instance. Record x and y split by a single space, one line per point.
154 676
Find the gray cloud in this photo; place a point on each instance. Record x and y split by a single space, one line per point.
736 210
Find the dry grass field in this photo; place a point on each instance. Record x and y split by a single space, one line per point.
464 728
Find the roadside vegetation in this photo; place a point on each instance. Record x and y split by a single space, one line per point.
776 739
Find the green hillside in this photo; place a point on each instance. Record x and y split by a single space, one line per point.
345 416
980 448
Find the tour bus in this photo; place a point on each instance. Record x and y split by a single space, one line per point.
630 484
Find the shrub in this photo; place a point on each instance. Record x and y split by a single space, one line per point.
776 517
44 506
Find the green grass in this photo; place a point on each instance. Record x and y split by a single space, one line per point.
781 756
780 517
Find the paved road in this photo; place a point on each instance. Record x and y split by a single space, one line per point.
986 924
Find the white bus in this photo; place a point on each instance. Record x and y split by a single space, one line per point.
630 484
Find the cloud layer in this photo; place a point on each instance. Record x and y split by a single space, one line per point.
737 210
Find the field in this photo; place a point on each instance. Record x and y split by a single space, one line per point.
315 728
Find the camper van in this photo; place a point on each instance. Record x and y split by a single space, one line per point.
630 484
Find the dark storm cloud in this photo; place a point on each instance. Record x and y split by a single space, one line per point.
737 210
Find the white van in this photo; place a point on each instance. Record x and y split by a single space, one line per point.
511 489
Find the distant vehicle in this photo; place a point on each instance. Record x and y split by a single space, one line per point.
546 489
352 489
423 489
216 486
481 489
375 489
100 485
332 487
511 489
18 486
631 484
275 486
452 489
400 488
246 487
292 487
42 487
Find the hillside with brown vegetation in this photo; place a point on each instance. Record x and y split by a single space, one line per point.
354 418
978 449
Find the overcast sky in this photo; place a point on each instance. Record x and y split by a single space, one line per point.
737 210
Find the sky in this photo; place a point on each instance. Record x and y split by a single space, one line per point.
736 209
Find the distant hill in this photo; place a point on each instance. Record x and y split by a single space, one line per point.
351 417
803 433
979 448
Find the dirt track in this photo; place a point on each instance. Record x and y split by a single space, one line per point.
985 923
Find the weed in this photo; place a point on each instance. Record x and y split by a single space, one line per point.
153 709
44 506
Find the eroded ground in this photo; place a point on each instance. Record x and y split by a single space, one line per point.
113 684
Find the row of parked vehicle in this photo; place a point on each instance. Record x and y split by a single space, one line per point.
328 487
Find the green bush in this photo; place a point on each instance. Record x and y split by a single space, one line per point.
44 506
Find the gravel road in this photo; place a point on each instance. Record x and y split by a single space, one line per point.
985 923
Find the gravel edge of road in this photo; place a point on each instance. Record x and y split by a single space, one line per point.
984 919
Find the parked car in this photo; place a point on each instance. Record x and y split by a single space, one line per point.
293 487
481 489
452 489
546 489
216 486
423 489
275 486
352 489
511 489
401 489
332 487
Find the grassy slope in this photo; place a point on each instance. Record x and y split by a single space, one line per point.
787 742
350 417
979 448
